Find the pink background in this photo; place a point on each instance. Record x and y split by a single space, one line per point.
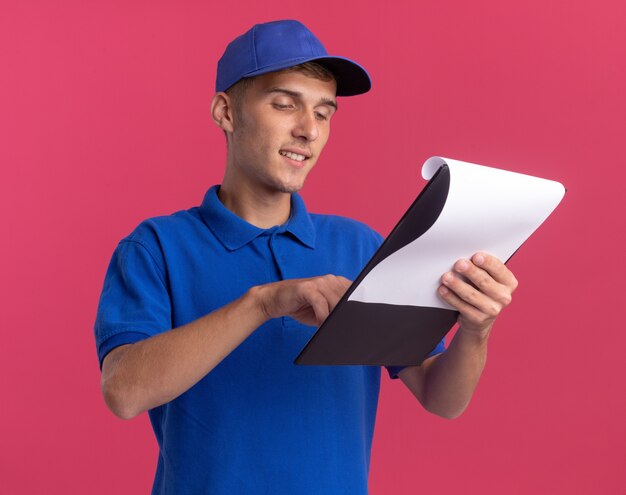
104 120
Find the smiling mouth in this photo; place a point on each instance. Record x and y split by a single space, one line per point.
294 156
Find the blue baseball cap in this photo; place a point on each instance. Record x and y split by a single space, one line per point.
279 45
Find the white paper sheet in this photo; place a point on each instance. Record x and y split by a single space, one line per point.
487 209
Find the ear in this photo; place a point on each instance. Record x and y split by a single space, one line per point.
222 111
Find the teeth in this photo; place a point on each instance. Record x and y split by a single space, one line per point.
293 156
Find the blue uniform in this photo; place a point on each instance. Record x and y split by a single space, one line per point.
257 423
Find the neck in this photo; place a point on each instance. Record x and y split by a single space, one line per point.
256 207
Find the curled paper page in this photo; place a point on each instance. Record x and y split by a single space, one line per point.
483 209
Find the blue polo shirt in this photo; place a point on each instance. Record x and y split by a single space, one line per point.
257 423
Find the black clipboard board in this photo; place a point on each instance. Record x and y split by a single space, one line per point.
357 333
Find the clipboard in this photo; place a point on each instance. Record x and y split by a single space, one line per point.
391 314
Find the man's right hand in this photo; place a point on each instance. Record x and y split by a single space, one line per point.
308 300
151 372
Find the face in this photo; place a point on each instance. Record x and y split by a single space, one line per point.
280 131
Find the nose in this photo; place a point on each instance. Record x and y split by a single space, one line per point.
306 126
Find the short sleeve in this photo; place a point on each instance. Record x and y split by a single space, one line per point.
135 302
394 370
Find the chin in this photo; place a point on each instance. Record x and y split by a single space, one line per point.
291 188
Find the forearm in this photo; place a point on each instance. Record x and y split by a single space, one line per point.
450 380
479 289
154 371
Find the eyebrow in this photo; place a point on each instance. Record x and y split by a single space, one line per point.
296 94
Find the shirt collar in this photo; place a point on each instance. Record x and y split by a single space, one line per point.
234 232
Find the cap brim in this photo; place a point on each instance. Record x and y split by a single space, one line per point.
352 79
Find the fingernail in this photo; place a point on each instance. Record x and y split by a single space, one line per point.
479 259
447 278
461 266
443 290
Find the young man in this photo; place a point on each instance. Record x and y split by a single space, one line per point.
203 311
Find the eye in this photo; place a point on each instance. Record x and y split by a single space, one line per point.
321 116
282 106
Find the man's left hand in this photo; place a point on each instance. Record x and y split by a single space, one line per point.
479 288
